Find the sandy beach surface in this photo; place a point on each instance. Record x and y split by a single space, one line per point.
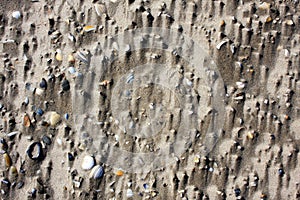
166 100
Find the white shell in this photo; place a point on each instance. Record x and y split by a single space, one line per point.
129 193
221 44
97 172
16 14
87 163
100 9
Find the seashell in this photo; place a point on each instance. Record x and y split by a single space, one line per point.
104 83
65 85
289 22
100 9
13 173
26 101
72 37
70 157
54 118
83 56
7 160
39 112
72 70
264 6
3 144
97 172
269 19
58 55
221 44
89 28
34 151
71 58
46 140
87 163
26 121
66 116
20 185
12 133
129 193
130 78
43 84
39 91
119 173
16 14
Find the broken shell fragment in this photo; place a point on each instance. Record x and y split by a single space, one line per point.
83 56
100 9
54 118
34 151
71 58
97 172
289 22
221 44
87 163
16 14
119 172
89 28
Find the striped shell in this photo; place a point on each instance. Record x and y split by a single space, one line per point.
97 172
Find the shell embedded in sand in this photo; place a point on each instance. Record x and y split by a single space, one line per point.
97 172
100 9
54 118
87 163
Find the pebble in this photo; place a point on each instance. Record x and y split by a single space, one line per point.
16 14
72 70
71 58
97 172
13 173
54 118
88 162
26 121
58 55
34 151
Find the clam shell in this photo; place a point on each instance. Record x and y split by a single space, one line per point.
89 28
13 173
87 163
100 9
54 118
7 160
16 14
119 172
97 172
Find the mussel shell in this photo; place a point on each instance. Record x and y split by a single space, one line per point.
31 148
97 172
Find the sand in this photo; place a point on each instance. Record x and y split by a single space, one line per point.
174 99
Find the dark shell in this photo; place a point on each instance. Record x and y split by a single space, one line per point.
35 146
46 140
43 84
39 111
65 85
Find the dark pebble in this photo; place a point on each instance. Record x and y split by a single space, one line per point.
65 85
36 146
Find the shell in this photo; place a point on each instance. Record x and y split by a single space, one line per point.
100 9
87 163
7 160
16 14
221 44
38 155
26 121
83 56
289 22
97 172
119 172
129 193
89 28
264 6
71 58
13 173
58 55
54 118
